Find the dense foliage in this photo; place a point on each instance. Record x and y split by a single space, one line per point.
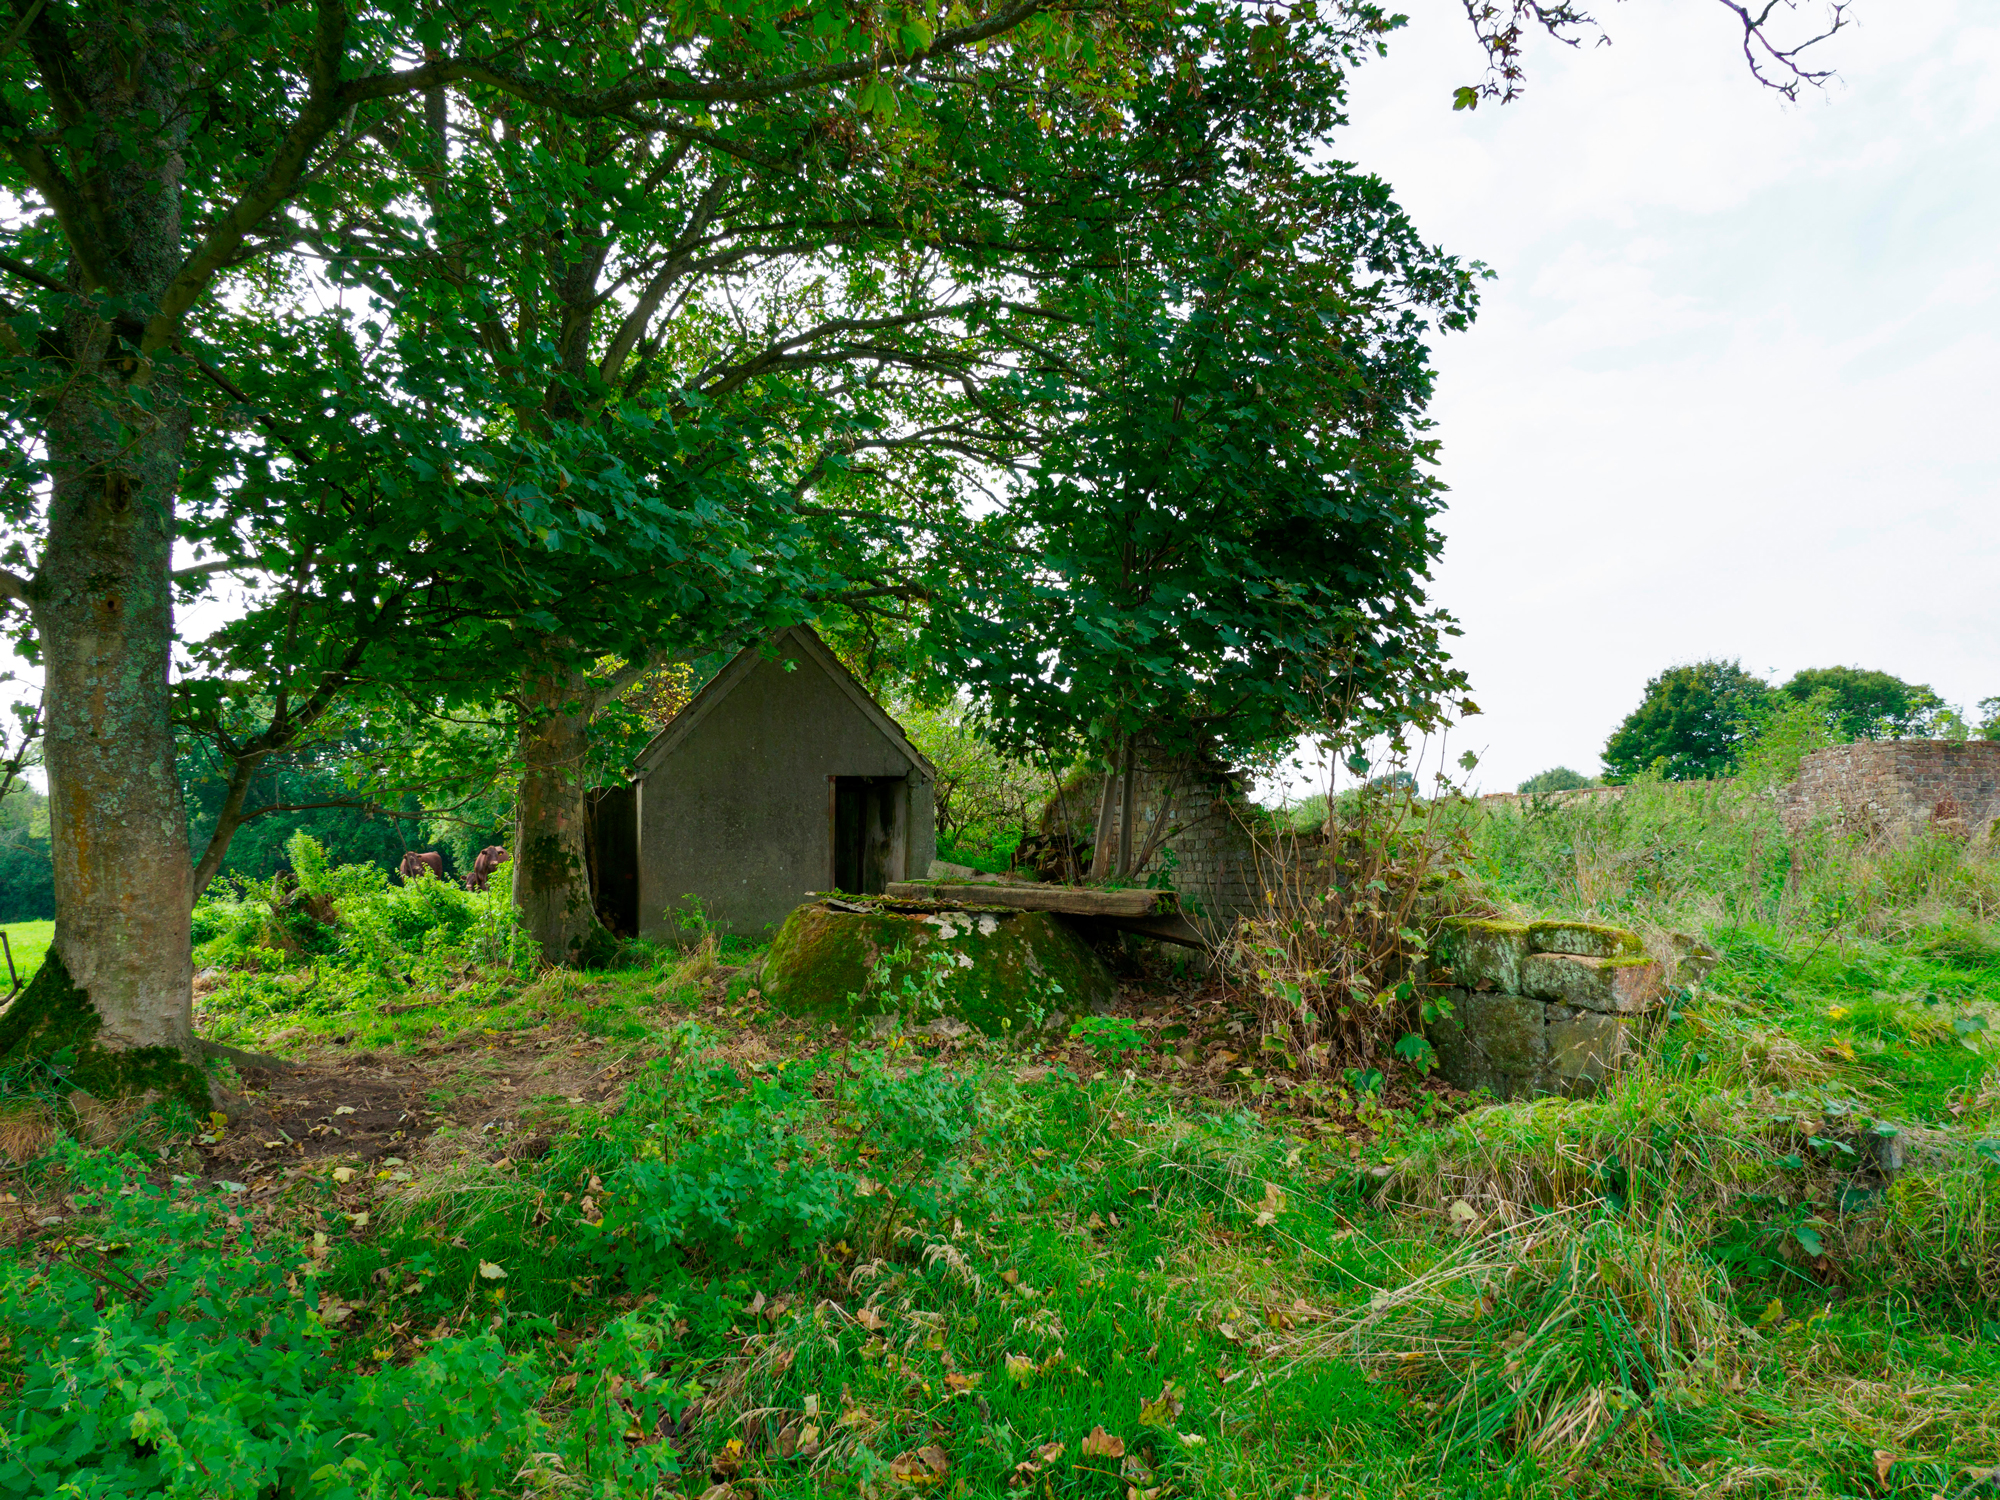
1555 779
1866 705
1692 722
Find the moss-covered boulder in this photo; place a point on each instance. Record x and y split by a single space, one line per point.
995 970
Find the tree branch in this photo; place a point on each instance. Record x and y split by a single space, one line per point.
617 102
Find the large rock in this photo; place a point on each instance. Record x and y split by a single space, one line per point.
995 970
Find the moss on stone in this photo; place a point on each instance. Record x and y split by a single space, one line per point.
53 1022
996 970
1585 940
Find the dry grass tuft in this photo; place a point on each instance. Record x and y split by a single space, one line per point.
27 1128
1551 1338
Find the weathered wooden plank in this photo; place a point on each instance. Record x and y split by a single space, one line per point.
1170 929
1022 895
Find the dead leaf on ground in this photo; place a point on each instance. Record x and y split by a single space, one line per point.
926 1465
1162 1409
1101 1444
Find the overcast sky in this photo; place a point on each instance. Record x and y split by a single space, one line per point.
1731 393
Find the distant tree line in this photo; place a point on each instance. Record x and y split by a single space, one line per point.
1696 720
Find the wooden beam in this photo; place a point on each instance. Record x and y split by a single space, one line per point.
1170 929
1023 895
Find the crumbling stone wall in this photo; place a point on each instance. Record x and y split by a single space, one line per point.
1539 1007
1882 788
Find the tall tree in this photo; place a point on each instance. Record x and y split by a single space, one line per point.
1868 705
1228 542
166 152
1693 722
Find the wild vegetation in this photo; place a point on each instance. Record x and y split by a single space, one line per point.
676 1243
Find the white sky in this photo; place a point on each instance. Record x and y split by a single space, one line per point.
1731 393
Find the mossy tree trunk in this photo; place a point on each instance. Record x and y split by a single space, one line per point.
114 995
551 887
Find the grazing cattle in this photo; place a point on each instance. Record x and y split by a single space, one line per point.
489 859
416 866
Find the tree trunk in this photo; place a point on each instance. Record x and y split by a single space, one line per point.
1100 850
1128 805
551 876
242 771
116 986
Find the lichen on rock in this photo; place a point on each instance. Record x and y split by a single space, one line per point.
995 970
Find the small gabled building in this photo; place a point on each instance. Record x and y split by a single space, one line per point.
782 777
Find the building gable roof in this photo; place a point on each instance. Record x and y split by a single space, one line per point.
805 641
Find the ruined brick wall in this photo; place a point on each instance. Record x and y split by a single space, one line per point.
1881 788
1209 854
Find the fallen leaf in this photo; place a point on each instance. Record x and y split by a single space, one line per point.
809 1439
1012 1278
1884 1462
1463 1212
1162 1409
344 1109
1272 1205
1101 1444
218 1120
925 1465
490 1272
1020 1368
870 1319
956 1382
1772 1315
357 1221
343 1174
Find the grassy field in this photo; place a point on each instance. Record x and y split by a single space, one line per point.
28 941
627 1233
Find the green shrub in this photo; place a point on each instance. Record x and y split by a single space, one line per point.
737 1170
281 955
172 1355
1556 779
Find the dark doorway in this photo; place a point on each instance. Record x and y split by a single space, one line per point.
867 832
611 845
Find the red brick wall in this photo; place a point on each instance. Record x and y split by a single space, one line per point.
1884 787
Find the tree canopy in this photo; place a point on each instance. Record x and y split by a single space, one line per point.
1692 722
1867 705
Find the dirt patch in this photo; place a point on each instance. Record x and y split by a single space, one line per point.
357 1113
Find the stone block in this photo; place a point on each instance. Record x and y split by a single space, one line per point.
1492 1041
1456 1060
1585 1048
1619 986
1484 955
1584 939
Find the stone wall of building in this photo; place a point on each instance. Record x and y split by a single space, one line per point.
1884 788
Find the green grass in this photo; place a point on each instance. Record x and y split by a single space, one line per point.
823 1269
29 942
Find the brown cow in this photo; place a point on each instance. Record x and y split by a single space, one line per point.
415 866
489 859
